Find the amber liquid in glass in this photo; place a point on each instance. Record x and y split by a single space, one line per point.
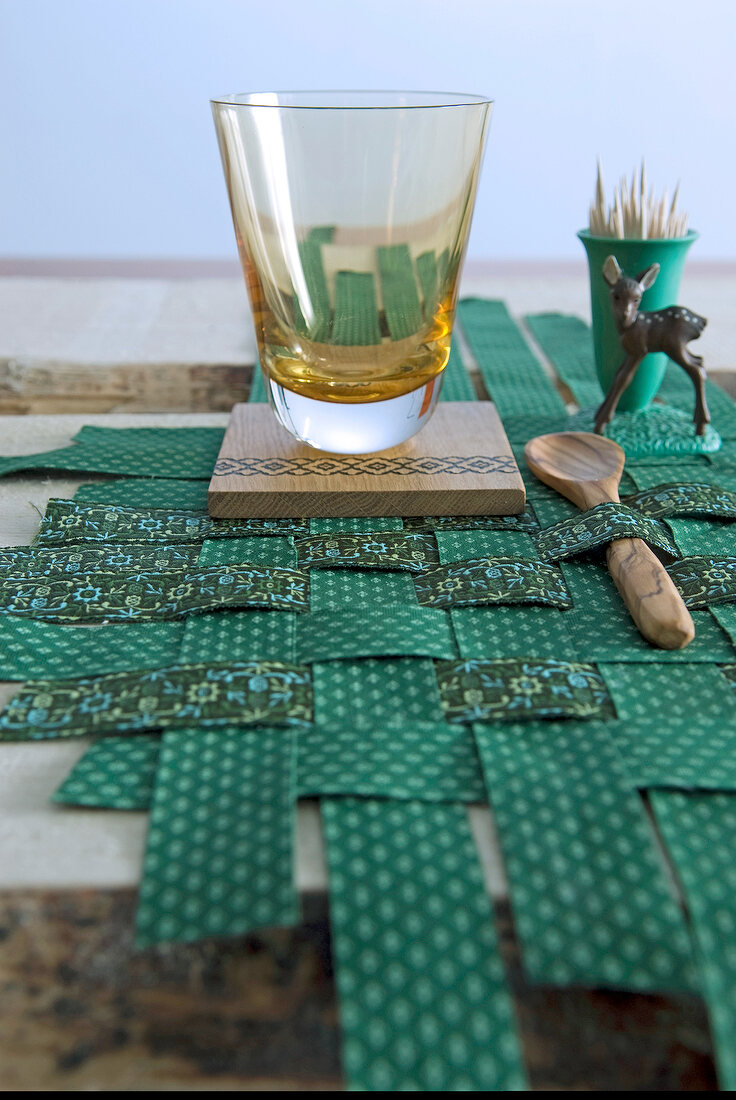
356 338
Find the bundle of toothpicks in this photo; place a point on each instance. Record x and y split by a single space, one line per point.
634 213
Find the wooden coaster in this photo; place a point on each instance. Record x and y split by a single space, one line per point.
459 464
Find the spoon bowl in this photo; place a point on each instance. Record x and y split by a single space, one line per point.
583 467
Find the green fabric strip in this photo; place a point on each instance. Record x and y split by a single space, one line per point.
692 535
392 550
399 291
24 562
700 834
319 322
457 385
415 760
356 310
704 580
509 689
521 631
369 693
426 264
512 373
693 499
567 343
358 589
257 395
597 527
591 902
600 625
423 1000
146 493
456 546
184 453
355 525
257 551
244 636
492 580
525 522
725 616
219 854
34 650
253 692
677 724
397 630
154 594
67 521
115 773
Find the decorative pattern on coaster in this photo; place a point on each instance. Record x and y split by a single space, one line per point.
153 594
368 465
34 650
693 499
591 902
423 1001
476 691
402 550
219 858
252 693
699 832
491 581
116 773
68 521
599 526
703 580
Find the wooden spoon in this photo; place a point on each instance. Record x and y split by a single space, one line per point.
586 469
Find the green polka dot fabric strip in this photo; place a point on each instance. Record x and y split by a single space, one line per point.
424 1005
219 857
186 453
590 898
399 670
700 834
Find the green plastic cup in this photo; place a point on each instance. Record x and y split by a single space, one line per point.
633 256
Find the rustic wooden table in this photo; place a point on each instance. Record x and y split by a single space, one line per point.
81 1008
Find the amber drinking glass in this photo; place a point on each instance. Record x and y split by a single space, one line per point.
352 212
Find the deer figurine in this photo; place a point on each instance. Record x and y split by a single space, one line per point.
668 330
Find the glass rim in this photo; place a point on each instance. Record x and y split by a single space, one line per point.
427 100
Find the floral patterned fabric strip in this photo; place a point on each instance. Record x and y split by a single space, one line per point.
492 581
527 521
477 691
411 551
32 561
253 692
69 521
115 594
703 580
423 999
693 499
601 525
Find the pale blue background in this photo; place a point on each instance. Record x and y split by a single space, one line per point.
109 148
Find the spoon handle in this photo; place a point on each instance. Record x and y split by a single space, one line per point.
650 594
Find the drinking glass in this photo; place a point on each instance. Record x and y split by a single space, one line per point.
352 212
